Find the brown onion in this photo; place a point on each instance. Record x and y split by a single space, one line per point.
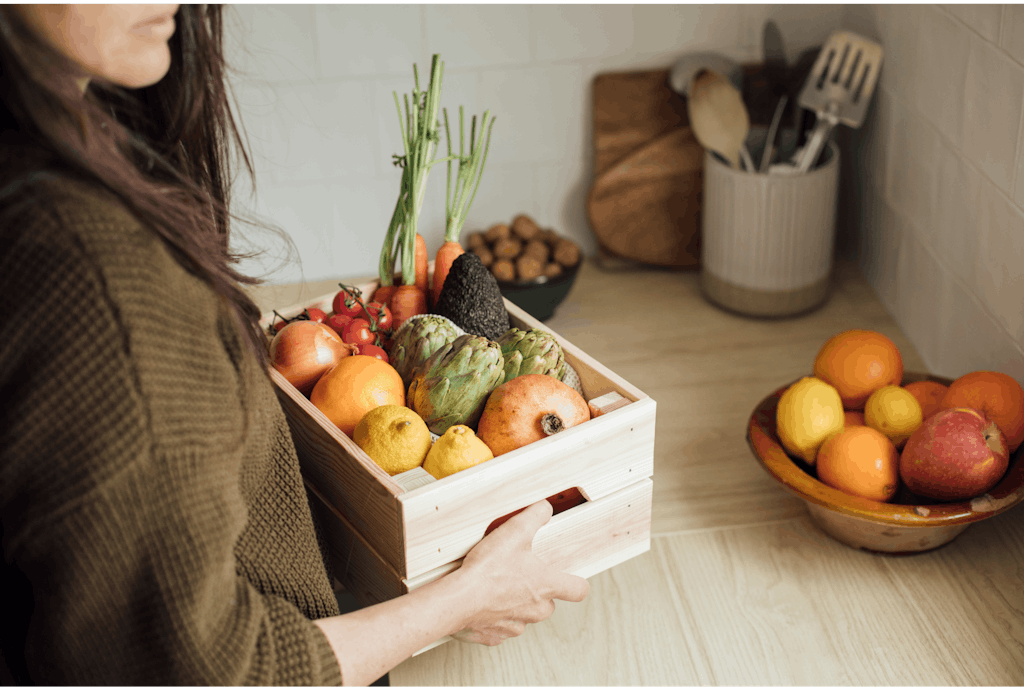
303 351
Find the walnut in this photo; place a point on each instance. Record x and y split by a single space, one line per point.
486 257
567 253
497 232
538 249
553 269
529 267
524 227
507 248
503 270
476 239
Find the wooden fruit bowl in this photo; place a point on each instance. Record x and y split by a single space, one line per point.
910 524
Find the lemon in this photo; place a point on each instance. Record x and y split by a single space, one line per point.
809 412
895 412
395 437
457 449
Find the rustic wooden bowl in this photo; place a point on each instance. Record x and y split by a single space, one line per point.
910 524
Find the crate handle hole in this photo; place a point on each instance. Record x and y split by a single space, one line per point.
560 502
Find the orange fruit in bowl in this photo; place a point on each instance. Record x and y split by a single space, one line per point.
857 363
854 418
929 395
998 395
860 461
358 384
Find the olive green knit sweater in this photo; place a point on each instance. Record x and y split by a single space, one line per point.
155 526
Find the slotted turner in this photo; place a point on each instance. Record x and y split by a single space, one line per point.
839 88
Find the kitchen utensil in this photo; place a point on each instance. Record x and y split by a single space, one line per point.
802 120
718 116
775 66
839 88
680 76
650 214
769 142
903 525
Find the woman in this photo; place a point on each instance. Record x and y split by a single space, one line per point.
155 527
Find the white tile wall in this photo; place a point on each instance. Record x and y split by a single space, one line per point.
315 87
941 163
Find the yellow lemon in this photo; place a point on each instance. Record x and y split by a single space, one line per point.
457 449
809 412
395 437
894 411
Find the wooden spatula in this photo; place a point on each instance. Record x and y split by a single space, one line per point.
719 118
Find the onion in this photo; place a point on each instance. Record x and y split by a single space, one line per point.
303 351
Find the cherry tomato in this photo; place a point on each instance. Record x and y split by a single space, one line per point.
357 332
373 351
318 315
381 313
345 303
337 322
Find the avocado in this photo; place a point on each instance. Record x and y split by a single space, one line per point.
471 298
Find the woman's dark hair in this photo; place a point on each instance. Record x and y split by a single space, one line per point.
165 149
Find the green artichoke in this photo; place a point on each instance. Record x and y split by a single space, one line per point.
531 352
453 384
416 340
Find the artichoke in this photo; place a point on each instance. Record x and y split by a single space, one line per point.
453 384
531 352
417 339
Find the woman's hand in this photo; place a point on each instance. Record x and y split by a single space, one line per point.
509 585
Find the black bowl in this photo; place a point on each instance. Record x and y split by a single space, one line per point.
540 297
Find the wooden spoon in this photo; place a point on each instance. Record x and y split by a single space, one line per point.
719 118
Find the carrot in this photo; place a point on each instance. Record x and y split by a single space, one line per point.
384 293
446 256
407 301
421 263
458 200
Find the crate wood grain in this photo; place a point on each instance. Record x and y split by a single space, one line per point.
416 533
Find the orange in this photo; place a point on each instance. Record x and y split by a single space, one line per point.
357 385
929 394
857 363
860 461
998 395
854 418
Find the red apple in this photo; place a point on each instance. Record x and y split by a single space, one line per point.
955 454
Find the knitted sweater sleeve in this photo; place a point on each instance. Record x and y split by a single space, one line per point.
119 548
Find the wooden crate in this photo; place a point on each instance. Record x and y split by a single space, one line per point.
384 540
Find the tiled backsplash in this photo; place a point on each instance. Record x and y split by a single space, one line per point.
940 174
315 94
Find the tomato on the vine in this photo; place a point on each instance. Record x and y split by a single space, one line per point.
357 332
318 315
380 313
337 322
373 351
347 303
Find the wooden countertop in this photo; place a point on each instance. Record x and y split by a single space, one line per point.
740 587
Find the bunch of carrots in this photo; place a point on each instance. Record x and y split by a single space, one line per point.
420 138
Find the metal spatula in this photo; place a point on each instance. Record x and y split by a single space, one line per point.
839 88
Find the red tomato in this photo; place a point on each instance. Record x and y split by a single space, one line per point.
382 314
357 332
345 303
373 351
318 315
337 322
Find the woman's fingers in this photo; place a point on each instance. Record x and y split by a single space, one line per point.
532 518
567 587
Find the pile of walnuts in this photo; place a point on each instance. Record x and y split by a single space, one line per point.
523 251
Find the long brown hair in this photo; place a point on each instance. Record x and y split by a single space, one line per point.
165 150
